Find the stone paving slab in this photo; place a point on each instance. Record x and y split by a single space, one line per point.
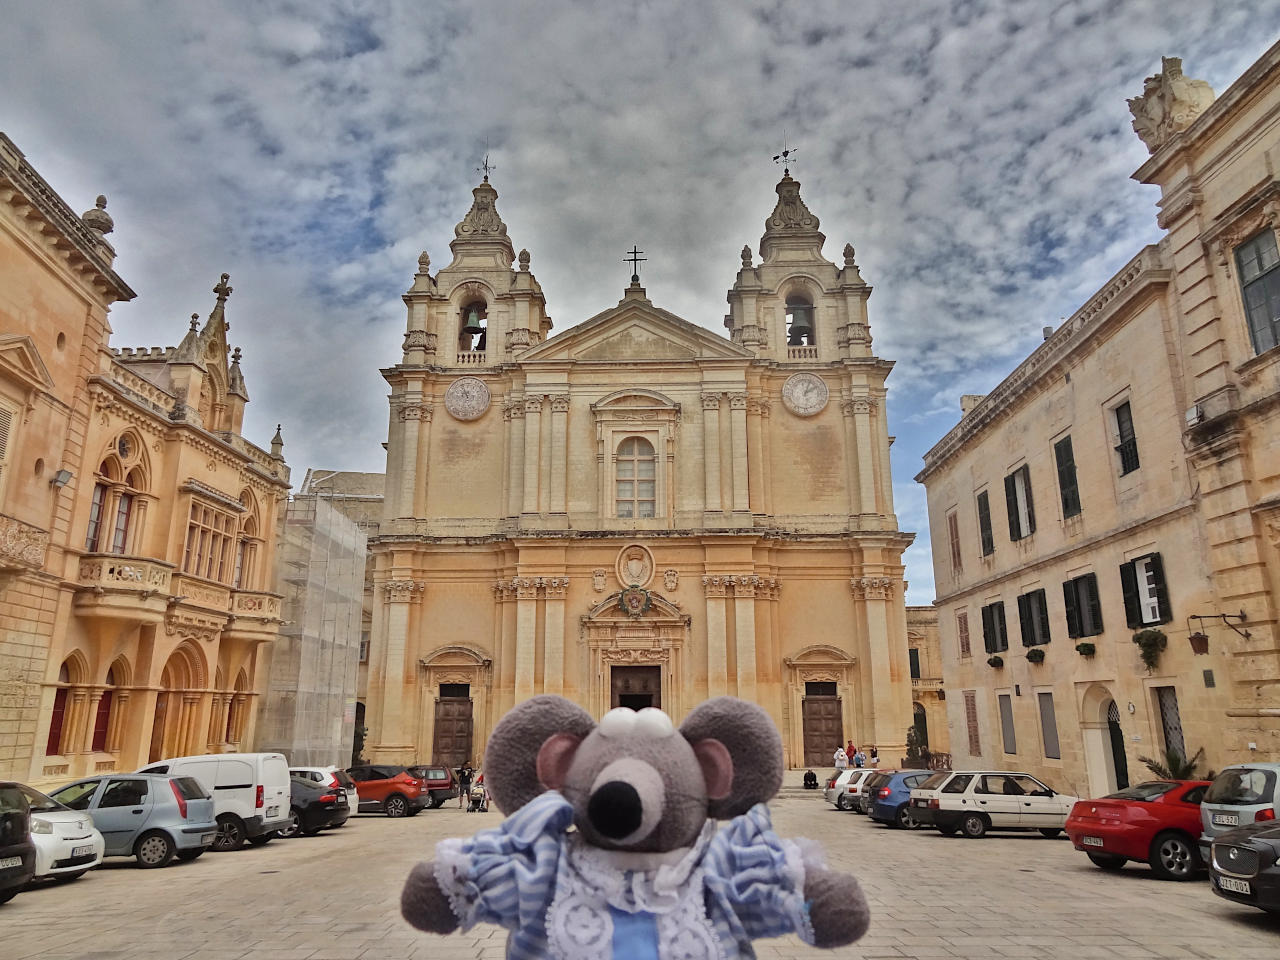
336 897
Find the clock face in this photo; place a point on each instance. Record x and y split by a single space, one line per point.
467 398
805 394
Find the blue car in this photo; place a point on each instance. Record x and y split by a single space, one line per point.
891 796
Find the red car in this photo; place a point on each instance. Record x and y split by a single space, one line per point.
1156 822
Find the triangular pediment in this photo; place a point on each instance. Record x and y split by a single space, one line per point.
635 332
20 361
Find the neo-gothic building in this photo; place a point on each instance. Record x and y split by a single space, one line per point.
638 511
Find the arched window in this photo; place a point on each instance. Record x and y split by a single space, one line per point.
102 719
54 746
247 544
800 332
113 508
473 330
921 724
635 478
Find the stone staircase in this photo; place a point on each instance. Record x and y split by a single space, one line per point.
793 783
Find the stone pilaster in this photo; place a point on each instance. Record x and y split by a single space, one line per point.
744 618
717 640
711 450
526 636
532 452
738 437
554 589
559 451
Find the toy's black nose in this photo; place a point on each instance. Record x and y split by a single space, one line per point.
615 809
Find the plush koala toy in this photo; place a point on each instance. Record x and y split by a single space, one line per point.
610 849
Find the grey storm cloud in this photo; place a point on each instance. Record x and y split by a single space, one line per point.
976 154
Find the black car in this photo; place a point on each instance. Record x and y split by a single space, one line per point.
17 852
1245 866
313 807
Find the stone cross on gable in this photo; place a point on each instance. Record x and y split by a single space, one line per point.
222 290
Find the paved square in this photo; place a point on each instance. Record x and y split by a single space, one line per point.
335 897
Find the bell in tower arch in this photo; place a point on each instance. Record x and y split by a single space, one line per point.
800 322
472 325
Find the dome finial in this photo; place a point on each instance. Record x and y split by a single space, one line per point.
98 219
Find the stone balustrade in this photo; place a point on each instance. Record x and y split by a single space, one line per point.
247 603
926 683
101 570
202 593
470 358
22 546
802 353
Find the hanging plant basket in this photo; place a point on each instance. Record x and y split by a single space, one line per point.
997 661
1199 642
1151 643
1086 649
1035 655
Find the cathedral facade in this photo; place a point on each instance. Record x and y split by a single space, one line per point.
638 511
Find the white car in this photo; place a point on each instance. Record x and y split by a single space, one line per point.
848 798
975 801
835 786
330 777
250 793
67 844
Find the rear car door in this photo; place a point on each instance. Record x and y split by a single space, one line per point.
121 811
275 787
234 787
998 796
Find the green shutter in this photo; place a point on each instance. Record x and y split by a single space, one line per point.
1011 503
1031 507
1129 586
984 524
988 629
1024 620
1067 477
1042 612
1095 605
1162 589
1002 630
1073 610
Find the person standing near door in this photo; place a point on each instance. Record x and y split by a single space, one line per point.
841 759
464 783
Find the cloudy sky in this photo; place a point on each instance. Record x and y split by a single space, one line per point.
977 154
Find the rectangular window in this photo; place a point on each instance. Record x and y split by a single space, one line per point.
1127 447
971 721
1067 485
1146 597
962 632
995 638
1084 611
1017 497
211 535
94 530
364 647
1006 723
984 524
1170 719
1049 726
1257 262
124 509
1033 618
953 536
914 656
7 418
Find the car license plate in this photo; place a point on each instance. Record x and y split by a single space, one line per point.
1091 841
7 862
1235 886
921 803
272 811
1227 819
82 851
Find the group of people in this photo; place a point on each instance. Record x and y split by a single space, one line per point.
853 754
471 789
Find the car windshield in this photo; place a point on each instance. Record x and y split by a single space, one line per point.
39 802
1242 787
190 788
76 795
418 773
1143 791
343 779
934 781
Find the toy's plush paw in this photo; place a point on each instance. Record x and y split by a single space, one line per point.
424 904
838 911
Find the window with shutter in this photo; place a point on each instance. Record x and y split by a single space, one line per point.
7 421
1258 262
1127 447
914 656
1090 606
1067 485
971 722
1017 494
962 632
995 637
1171 720
1071 602
1146 596
953 535
984 524
1006 723
1033 618
1049 726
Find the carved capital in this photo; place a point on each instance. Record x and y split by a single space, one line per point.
716 586
403 591
556 587
871 588
738 401
560 403
417 411
711 401
526 588
533 404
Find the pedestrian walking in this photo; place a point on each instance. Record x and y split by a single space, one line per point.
841 759
875 756
859 758
464 783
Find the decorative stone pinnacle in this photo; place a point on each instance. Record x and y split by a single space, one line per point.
790 214
221 289
524 260
98 219
424 262
1170 103
235 355
848 256
746 256
195 322
482 219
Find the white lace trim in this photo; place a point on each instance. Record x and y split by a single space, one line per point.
451 867
796 859
655 890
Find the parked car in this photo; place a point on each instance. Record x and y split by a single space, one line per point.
332 777
250 793
853 788
877 779
833 790
890 800
17 852
1240 795
1157 822
1244 865
975 801
389 789
313 807
67 844
440 781
150 817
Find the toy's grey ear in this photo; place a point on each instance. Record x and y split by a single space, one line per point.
754 746
511 759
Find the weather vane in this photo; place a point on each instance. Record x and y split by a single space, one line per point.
485 166
635 260
787 156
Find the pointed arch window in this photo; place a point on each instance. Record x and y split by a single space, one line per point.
635 493
102 718
54 746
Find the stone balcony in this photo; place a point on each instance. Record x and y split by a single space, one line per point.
255 616
926 684
22 548
116 587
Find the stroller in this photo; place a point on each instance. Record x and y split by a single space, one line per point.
478 799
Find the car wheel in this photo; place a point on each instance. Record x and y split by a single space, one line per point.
293 827
230 833
902 818
843 803
1174 857
1107 862
262 839
396 806
947 831
154 849
186 856
974 826
437 802
68 877
7 895
1050 832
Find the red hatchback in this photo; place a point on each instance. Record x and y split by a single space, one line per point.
1156 822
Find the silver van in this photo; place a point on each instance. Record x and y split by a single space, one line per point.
1240 795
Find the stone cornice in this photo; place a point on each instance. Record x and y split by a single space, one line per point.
1143 272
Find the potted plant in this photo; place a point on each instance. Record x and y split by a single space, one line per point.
995 661
1150 642
1086 649
1199 642
1035 655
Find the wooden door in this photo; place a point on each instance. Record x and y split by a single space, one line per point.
635 687
823 730
452 741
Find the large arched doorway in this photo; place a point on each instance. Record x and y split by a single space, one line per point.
921 723
177 704
1106 761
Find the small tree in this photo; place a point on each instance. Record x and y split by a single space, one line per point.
357 745
915 748
1174 766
